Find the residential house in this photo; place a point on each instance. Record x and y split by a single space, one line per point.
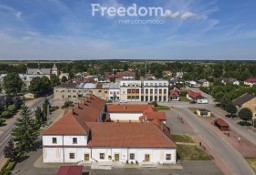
230 81
238 102
192 84
250 81
251 104
174 95
193 95
203 83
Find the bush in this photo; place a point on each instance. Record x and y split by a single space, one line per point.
12 108
137 162
127 162
54 108
131 162
6 114
67 104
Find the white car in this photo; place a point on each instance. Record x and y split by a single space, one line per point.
202 101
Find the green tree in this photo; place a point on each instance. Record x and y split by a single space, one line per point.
10 151
26 132
12 83
55 81
6 114
64 79
245 114
230 108
2 120
40 86
40 116
125 66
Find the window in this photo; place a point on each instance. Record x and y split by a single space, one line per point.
128 90
151 91
102 156
74 140
164 91
71 155
132 156
54 140
168 157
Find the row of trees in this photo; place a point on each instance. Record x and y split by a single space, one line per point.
12 84
244 113
26 132
24 136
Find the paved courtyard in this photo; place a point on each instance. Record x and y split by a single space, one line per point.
29 166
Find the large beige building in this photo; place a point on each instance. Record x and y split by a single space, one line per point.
74 91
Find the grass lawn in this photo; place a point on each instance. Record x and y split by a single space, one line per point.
184 98
191 152
252 162
182 138
159 107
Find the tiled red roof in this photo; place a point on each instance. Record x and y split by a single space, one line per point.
129 108
250 80
221 122
153 115
67 124
194 94
74 121
138 135
70 170
174 93
125 73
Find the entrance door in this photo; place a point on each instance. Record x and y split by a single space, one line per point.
147 157
86 157
116 157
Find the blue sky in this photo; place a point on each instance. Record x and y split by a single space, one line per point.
64 29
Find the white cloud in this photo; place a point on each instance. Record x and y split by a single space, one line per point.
170 14
18 15
187 15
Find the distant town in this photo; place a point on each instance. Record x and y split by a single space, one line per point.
128 116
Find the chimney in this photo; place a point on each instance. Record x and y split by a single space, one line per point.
117 120
129 121
125 107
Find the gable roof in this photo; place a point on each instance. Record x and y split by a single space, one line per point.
153 115
250 80
129 108
174 93
68 124
74 121
229 80
136 135
242 99
194 94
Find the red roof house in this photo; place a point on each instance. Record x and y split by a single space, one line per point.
193 95
174 95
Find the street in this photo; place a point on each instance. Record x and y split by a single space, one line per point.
5 135
229 156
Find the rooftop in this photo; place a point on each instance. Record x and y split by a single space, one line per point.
129 108
138 135
242 99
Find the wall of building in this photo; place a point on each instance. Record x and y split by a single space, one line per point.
66 140
125 116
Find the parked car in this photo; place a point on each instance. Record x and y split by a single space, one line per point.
193 102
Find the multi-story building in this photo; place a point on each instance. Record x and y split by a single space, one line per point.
80 136
155 90
114 91
75 91
130 90
147 90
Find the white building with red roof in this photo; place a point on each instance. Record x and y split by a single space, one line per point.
82 136
250 81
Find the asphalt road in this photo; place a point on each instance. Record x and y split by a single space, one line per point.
226 152
6 134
